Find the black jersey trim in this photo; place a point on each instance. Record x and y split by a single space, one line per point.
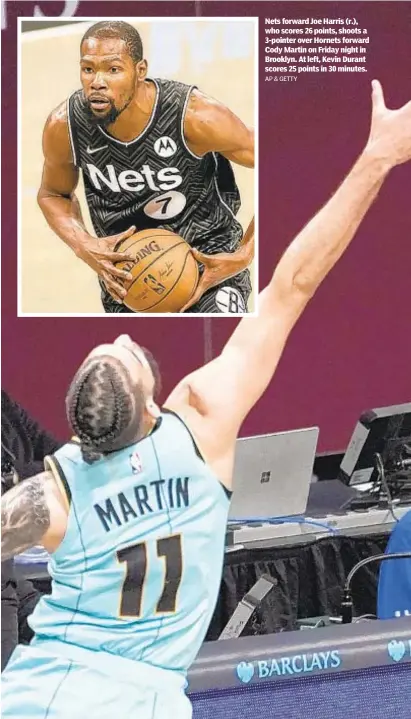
218 189
228 492
183 114
151 121
196 448
52 464
72 128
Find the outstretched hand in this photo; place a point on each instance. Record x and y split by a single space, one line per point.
390 133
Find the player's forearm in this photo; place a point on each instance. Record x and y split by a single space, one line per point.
25 516
63 214
324 239
236 262
246 248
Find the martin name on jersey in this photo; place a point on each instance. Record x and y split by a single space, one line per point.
155 180
143 499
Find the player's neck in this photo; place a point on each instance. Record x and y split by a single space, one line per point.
135 118
149 425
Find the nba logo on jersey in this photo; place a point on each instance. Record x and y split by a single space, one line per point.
135 462
165 147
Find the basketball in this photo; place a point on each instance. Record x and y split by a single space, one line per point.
165 273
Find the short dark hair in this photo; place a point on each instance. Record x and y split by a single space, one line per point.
100 407
121 30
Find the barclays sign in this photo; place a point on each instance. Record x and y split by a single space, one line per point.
288 665
397 650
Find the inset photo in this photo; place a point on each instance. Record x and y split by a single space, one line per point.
138 167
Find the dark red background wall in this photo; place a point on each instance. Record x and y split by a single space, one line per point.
352 349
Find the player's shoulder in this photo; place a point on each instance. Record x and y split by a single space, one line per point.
172 85
199 101
203 112
56 135
189 396
173 92
71 450
58 118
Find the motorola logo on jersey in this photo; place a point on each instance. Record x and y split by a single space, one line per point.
168 178
165 147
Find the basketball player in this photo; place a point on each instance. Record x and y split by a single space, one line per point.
134 513
153 153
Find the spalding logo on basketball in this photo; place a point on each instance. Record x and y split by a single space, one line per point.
165 147
165 273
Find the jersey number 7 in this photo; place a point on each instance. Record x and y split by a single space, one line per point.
135 558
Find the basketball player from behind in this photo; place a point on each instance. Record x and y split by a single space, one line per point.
153 153
134 513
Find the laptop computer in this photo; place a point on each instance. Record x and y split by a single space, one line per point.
272 474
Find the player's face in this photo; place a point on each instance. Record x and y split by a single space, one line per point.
109 77
141 364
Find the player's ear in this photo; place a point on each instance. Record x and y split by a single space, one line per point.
141 69
152 408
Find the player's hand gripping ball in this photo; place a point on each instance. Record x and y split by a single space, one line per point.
165 273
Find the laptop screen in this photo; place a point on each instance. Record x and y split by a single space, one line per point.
272 474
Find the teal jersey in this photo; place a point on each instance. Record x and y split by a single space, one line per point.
138 572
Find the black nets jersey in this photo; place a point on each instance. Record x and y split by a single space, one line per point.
155 180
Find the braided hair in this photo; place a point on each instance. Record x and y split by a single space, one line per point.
104 408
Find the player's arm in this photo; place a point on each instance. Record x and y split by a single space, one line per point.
56 196
228 387
61 208
209 126
223 265
233 382
32 513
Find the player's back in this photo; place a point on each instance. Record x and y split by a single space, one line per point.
138 572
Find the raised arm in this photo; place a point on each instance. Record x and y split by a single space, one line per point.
227 388
32 513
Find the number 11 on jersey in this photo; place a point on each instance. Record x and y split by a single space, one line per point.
169 549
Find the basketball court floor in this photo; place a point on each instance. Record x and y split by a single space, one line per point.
218 56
